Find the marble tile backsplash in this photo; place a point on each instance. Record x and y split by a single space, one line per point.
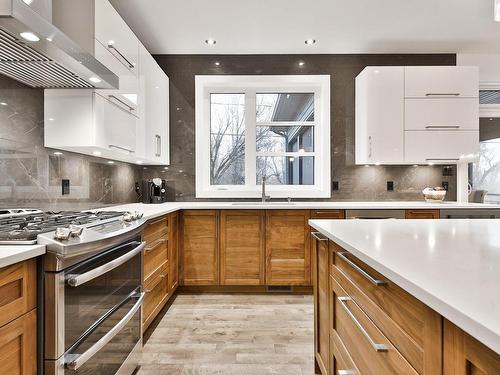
30 174
355 182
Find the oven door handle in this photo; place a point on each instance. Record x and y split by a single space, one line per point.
76 280
79 361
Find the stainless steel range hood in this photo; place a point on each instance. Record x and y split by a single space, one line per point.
50 59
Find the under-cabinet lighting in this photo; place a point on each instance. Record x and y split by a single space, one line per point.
302 63
431 163
48 39
3 103
111 162
377 163
139 162
58 153
96 153
29 36
217 63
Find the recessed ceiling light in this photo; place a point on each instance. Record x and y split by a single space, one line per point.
96 153
210 41
166 168
497 10
51 119
310 41
111 162
94 79
217 63
58 153
302 63
48 39
29 36
28 1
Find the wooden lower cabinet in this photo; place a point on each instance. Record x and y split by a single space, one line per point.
288 255
173 249
200 247
242 257
464 355
422 214
18 331
320 279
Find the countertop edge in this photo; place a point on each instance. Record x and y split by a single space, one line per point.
474 328
20 253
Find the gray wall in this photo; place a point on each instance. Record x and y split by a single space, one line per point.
355 182
30 174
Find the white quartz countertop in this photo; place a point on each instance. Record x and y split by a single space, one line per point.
453 266
10 254
154 210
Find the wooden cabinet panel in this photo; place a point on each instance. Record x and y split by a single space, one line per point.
320 255
341 361
242 247
173 248
414 328
327 214
157 293
372 352
464 355
18 345
17 290
422 214
156 253
288 257
200 256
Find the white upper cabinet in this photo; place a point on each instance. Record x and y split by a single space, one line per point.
379 134
416 115
154 118
441 81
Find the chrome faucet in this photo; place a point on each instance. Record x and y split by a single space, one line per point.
264 196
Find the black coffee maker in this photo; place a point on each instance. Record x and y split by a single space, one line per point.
154 191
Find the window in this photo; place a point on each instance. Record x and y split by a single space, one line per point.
249 127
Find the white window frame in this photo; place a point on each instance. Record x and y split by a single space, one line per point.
250 85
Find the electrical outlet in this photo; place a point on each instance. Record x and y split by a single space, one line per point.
390 185
65 186
335 185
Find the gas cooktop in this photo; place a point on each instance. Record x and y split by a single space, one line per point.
22 226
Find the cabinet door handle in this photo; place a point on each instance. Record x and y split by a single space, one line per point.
319 236
114 97
127 61
370 146
155 245
442 159
343 255
158 145
442 94
347 372
430 127
130 151
377 347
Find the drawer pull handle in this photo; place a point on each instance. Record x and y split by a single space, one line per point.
347 372
431 127
155 245
377 347
366 275
319 236
443 159
127 61
442 94
157 221
114 97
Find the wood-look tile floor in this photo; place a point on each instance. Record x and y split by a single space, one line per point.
232 335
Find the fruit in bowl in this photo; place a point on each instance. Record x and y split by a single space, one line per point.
436 194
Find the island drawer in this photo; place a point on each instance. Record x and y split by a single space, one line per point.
342 362
371 351
411 326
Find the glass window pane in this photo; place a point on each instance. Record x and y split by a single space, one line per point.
285 138
227 139
285 107
285 170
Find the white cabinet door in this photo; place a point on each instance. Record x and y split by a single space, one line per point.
441 81
155 114
114 34
379 115
439 146
128 92
115 127
442 114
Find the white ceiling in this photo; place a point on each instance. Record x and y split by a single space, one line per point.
339 26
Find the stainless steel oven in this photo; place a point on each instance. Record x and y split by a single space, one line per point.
93 303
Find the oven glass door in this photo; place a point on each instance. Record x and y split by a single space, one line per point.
109 345
96 286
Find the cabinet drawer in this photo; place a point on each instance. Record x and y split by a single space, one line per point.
18 346
412 327
327 214
439 146
111 29
442 114
17 290
155 257
441 81
370 350
156 229
342 360
156 296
